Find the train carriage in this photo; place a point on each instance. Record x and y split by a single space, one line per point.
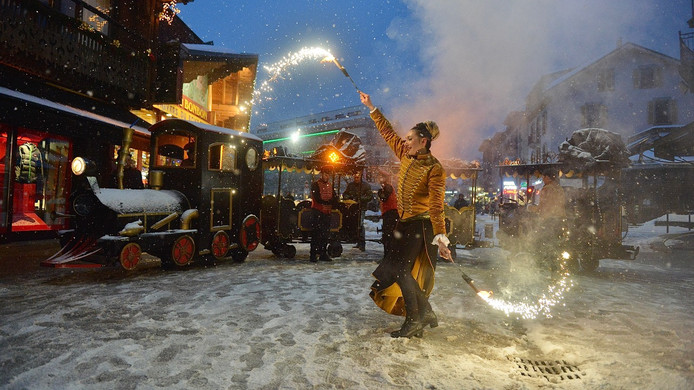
589 170
285 221
204 201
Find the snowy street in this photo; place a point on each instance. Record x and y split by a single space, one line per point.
277 323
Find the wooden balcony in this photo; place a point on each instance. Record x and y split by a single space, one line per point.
40 41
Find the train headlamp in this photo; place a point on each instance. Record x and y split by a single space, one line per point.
81 166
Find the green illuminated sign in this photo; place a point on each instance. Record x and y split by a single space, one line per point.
301 136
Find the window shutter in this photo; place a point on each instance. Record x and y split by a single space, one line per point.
658 76
651 112
603 115
636 78
583 116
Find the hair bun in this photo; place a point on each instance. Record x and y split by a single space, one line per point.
433 129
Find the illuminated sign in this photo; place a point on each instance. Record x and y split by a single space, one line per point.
195 109
177 111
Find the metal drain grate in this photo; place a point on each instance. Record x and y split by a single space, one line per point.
552 370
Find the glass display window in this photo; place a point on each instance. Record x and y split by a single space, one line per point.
40 181
4 177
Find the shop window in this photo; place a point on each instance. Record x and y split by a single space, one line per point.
176 148
4 177
40 181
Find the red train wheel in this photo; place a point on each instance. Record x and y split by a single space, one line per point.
220 245
250 233
130 255
183 250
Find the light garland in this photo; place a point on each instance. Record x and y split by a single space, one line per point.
169 11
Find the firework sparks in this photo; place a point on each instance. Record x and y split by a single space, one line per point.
281 68
552 296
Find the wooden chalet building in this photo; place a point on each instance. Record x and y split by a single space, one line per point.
75 73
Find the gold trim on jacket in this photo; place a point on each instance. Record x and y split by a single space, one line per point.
421 180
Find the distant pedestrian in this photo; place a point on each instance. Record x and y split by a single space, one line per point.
132 177
460 202
323 198
359 191
389 214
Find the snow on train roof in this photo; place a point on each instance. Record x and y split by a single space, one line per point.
211 128
137 201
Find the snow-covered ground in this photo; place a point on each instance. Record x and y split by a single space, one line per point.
274 323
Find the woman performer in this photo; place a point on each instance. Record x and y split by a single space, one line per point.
405 277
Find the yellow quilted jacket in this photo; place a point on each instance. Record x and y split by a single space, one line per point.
421 181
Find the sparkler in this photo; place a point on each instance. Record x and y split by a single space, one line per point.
332 59
481 293
553 295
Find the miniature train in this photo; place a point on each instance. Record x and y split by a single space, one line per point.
594 224
204 201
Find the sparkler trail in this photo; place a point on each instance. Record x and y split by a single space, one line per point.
280 69
552 296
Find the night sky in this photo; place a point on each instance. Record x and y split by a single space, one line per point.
465 64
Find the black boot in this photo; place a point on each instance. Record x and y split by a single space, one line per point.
429 318
409 328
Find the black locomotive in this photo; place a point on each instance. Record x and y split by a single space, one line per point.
204 201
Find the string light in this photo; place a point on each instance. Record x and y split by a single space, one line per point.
169 11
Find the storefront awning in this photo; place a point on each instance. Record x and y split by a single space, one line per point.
25 99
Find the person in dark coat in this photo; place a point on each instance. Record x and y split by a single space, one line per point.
323 198
360 192
389 213
132 177
460 202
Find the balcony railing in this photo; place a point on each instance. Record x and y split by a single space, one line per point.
687 40
41 41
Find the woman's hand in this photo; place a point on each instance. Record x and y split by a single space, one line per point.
366 100
444 252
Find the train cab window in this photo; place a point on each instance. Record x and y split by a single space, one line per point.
222 157
176 149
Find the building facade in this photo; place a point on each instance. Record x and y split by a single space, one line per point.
75 73
627 91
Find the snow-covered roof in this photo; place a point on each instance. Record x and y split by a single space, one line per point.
581 68
210 50
211 128
70 110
